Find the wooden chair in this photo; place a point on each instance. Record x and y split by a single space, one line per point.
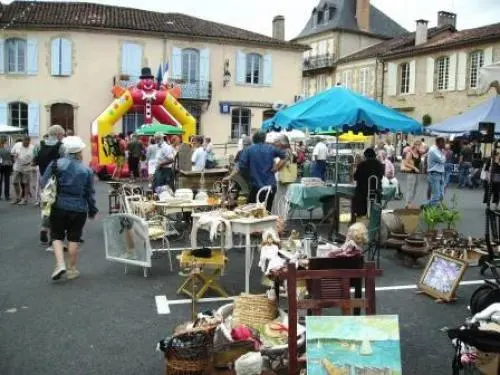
347 304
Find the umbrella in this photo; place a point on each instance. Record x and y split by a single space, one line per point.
340 109
11 129
488 111
148 129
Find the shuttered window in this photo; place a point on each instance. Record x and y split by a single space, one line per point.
404 83
18 115
253 69
443 73
476 61
16 55
240 122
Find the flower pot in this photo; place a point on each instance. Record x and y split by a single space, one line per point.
431 234
449 233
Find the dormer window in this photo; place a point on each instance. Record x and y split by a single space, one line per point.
321 17
331 13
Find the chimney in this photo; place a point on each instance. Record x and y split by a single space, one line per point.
421 32
279 27
447 18
363 14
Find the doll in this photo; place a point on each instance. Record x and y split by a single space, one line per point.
269 256
357 237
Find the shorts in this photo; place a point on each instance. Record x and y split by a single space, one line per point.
120 161
67 224
21 177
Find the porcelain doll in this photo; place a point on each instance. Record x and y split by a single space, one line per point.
356 239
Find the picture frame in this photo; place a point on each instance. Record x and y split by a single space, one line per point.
441 276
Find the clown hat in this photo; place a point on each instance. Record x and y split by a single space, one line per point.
146 73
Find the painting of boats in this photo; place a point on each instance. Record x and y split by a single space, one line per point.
353 345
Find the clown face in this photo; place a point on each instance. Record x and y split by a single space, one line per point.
146 84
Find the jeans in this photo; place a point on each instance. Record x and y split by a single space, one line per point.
163 176
412 180
5 172
463 174
319 169
448 169
436 182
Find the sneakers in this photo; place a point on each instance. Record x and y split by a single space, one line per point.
23 202
16 201
72 274
58 272
50 249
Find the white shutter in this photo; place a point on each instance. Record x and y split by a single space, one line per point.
55 57
268 70
67 58
355 82
392 79
241 61
176 63
3 113
349 79
33 119
430 75
2 57
452 77
32 56
205 64
462 71
372 89
488 56
413 72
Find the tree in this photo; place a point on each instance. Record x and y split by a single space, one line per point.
426 120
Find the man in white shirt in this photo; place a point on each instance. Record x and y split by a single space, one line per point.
23 153
319 155
164 174
199 156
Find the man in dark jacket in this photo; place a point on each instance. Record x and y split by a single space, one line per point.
366 169
49 150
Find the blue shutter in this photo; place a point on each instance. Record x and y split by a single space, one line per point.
32 57
176 63
268 70
241 62
33 119
66 57
2 58
55 57
205 64
3 113
131 59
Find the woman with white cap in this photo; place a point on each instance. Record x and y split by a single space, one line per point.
75 201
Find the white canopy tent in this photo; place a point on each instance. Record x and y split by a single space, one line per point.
489 76
10 129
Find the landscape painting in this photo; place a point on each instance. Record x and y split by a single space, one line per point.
353 345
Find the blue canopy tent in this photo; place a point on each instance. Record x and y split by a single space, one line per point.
340 109
488 111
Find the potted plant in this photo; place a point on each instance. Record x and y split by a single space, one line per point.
451 216
432 215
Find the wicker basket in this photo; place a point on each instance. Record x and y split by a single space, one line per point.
190 353
253 310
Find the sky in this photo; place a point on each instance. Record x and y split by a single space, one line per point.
257 15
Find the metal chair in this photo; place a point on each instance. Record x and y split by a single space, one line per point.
264 190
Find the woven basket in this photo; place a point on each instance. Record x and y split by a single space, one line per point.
253 310
190 353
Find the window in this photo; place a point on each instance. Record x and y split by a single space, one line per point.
254 69
240 122
476 61
363 81
321 17
404 83
443 73
190 65
131 121
61 57
346 79
331 13
305 86
18 115
16 55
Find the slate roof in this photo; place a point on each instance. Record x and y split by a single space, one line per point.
345 19
71 15
388 46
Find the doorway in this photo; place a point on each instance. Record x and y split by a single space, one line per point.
62 114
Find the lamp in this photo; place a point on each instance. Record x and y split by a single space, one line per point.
227 74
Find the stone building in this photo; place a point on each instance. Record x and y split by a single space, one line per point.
60 61
338 28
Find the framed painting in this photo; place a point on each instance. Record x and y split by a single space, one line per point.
441 276
345 345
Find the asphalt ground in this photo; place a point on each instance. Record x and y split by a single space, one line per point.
106 322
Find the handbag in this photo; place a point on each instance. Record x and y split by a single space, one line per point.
288 173
48 195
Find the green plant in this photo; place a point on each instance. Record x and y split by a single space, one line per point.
433 215
426 120
451 216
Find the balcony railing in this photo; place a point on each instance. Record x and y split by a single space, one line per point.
190 89
318 62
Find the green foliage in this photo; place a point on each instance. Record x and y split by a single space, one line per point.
426 120
451 216
442 213
433 216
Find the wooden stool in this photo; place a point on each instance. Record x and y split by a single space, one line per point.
197 277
